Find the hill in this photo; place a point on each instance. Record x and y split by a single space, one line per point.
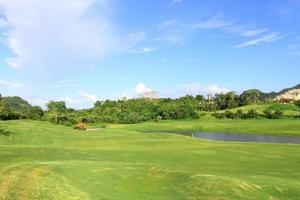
292 94
288 89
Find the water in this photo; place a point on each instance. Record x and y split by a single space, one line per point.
237 137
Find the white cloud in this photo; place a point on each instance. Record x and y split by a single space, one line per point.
38 102
272 37
193 89
143 50
66 83
87 96
137 37
197 88
177 32
3 23
11 84
143 91
218 22
174 39
173 31
61 36
215 22
70 101
246 30
215 89
169 23
172 2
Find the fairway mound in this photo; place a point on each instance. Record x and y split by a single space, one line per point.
217 187
5 133
35 183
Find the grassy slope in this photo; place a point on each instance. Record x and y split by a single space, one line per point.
42 161
288 109
286 127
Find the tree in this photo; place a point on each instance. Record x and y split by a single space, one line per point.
14 108
297 103
1 104
36 112
273 114
250 97
16 104
252 114
56 107
200 98
227 101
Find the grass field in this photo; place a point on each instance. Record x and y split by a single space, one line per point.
288 109
39 160
284 127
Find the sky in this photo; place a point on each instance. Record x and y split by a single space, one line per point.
81 51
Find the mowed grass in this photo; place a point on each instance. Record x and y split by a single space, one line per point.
283 127
39 160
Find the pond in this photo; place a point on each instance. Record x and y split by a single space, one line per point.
237 137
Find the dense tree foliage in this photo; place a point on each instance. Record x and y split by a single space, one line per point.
143 109
250 97
17 108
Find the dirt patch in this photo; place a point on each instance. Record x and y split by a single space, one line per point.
94 129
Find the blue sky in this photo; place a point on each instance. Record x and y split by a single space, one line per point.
84 50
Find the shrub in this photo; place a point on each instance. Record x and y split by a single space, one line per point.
129 118
229 114
63 120
240 114
88 120
80 126
12 115
251 114
273 114
278 114
219 115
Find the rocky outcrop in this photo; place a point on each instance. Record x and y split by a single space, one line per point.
293 94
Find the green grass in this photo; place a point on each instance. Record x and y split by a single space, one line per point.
284 127
39 160
288 109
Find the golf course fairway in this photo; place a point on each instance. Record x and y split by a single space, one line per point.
39 160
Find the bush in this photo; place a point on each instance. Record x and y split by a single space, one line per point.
240 114
129 118
273 114
88 120
251 114
63 120
12 115
230 115
80 126
219 115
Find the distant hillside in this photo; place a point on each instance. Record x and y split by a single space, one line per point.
292 93
288 89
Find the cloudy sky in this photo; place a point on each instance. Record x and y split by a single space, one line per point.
80 51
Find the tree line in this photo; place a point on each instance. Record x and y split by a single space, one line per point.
137 110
